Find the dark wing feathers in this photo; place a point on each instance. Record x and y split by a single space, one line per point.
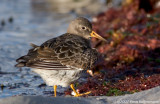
60 53
49 66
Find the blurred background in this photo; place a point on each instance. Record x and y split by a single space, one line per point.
34 21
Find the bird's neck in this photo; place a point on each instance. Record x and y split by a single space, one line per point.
87 41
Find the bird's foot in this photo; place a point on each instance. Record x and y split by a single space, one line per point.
78 94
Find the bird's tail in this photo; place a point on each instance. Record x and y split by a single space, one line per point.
21 62
24 60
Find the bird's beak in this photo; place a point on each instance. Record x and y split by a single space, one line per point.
94 34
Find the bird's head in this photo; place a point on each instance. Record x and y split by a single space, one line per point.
83 27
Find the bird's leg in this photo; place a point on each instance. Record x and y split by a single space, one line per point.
55 87
76 93
72 87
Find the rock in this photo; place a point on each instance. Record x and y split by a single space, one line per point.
151 96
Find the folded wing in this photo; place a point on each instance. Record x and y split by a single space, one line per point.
55 55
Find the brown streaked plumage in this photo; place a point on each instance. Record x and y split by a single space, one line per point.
61 60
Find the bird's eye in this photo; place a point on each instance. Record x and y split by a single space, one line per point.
83 28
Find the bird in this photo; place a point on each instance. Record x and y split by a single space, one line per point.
62 60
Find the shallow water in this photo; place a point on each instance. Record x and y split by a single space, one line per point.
23 22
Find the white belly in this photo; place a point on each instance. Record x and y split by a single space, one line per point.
59 77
